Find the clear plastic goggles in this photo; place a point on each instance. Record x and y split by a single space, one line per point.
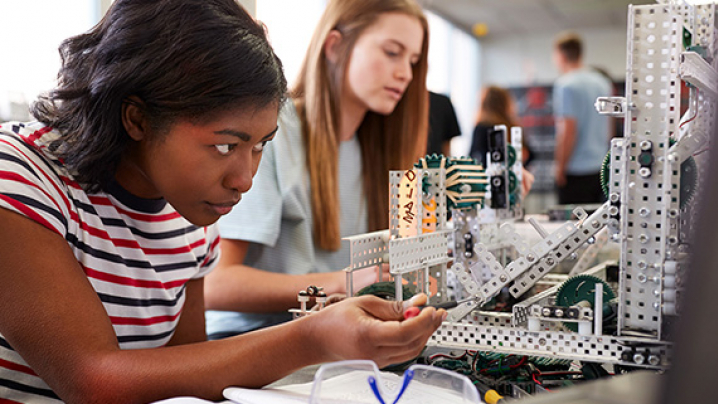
360 381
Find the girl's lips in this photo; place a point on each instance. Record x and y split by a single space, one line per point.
222 208
394 92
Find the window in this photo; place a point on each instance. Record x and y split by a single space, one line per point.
30 33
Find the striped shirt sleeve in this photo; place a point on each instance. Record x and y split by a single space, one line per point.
212 257
30 186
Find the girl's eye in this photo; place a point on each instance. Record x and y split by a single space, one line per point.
259 147
225 149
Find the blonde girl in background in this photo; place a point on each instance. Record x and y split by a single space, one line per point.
358 110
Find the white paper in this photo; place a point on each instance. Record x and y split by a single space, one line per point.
183 400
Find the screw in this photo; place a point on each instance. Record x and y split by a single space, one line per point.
531 258
644 172
641 278
614 197
546 312
646 145
644 212
559 312
643 238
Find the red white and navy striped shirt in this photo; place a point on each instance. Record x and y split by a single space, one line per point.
138 254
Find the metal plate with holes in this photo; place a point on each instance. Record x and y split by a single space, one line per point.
554 344
368 249
652 85
570 242
410 254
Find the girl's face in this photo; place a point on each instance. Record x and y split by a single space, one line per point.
380 65
201 169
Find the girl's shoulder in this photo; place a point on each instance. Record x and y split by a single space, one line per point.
289 133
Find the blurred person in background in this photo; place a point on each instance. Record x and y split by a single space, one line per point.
497 107
443 125
582 134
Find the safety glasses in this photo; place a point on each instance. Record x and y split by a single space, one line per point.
360 381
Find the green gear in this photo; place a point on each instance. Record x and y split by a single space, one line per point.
435 161
513 182
689 181
606 173
386 290
432 161
689 177
579 288
512 156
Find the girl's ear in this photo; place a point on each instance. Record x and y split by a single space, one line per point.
331 45
133 118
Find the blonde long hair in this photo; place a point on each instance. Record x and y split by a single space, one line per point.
388 142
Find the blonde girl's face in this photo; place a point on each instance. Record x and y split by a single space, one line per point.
380 65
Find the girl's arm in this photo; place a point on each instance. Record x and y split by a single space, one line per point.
54 319
233 286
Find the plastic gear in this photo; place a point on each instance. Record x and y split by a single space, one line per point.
512 156
582 288
689 181
513 182
439 161
386 290
433 161
605 173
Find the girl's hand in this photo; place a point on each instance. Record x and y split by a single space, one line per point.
368 327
